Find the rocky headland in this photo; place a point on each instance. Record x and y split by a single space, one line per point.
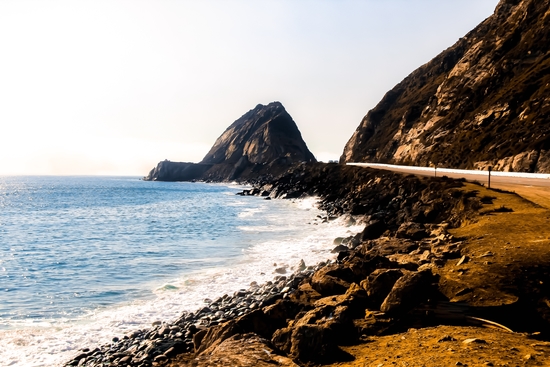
481 102
265 140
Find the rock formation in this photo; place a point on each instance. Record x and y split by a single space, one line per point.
482 102
265 140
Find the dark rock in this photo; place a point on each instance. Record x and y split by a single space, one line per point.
411 230
316 335
390 246
379 284
373 229
331 279
409 290
340 248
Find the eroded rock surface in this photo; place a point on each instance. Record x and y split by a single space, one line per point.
464 108
265 140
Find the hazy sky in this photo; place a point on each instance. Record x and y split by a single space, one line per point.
113 87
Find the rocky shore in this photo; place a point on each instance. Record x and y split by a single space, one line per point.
167 339
386 280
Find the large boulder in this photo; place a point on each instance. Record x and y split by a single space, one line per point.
331 280
409 291
379 284
315 336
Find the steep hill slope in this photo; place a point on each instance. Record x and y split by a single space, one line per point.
265 140
484 101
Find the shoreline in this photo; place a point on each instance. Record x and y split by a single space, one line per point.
413 269
190 333
167 339
53 346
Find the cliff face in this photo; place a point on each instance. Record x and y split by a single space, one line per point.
484 101
265 140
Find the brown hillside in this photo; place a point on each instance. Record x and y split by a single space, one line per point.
483 101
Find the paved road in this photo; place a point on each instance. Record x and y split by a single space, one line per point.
497 178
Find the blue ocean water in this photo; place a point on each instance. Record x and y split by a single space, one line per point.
84 258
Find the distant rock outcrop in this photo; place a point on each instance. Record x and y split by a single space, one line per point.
265 140
483 102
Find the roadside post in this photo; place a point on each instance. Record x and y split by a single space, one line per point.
489 182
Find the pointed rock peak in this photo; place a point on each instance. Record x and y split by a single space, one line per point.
264 134
265 140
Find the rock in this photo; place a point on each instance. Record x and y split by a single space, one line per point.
487 254
243 350
337 241
409 290
447 250
379 284
160 358
315 337
474 340
262 322
446 338
340 248
373 229
411 230
463 260
391 246
331 280
264 140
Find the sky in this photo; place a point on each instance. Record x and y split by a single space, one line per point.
113 87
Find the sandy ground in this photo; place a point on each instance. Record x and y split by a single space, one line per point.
507 261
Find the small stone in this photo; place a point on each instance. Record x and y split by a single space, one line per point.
155 323
463 260
528 357
160 358
446 338
474 340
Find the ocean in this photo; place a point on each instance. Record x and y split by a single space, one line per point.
86 259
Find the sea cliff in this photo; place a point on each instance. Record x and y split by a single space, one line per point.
481 102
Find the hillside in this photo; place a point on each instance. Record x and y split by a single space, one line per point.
482 102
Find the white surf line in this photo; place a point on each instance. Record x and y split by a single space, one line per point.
452 170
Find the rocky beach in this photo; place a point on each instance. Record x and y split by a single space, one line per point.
408 270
